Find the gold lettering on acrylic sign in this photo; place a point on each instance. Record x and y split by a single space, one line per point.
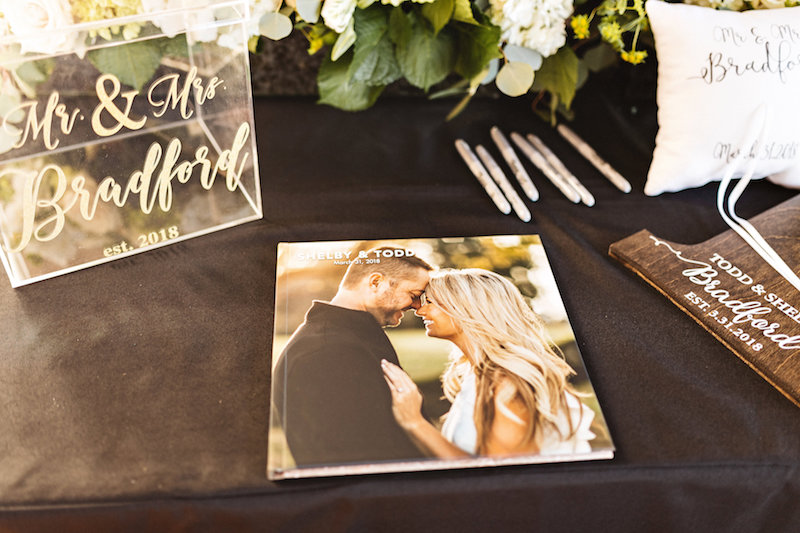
107 104
40 209
44 208
44 127
180 97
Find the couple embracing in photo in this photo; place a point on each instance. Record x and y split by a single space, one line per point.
343 397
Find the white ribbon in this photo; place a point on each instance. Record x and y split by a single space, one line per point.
741 226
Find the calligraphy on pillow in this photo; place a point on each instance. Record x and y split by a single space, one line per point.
717 71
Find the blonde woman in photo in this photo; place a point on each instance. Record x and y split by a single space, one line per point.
509 389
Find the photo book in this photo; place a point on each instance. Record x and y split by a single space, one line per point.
404 355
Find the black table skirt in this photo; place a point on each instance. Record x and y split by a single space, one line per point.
134 395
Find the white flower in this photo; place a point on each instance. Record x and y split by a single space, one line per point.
396 3
766 4
337 13
535 24
37 24
198 23
232 37
732 5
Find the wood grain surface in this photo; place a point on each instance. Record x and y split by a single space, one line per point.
732 292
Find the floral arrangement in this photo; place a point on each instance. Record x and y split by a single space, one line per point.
544 46
452 46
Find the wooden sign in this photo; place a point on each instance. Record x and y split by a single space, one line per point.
732 292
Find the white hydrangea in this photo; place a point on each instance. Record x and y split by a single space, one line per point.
767 4
396 3
337 13
732 5
201 20
536 24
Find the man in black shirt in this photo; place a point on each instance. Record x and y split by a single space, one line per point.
330 394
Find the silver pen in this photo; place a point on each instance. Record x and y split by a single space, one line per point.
555 162
497 173
483 177
514 163
541 163
599 163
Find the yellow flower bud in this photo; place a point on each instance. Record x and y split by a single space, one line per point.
580 26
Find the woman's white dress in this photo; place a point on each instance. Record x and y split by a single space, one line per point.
459 425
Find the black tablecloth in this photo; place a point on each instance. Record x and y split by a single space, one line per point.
134 395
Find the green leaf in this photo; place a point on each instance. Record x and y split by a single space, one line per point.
337 89
583 75
438 13
559 75
424 57
600 57
462 12
374 62
133 63
477 46
254 44
515 78
176 46
399 26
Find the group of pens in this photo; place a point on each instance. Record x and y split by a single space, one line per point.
503 193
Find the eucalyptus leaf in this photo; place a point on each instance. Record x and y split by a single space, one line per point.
559 75
491 71
132 63
523 55
515 78
438 13
344 41
424 57
275 26
338 89
309 10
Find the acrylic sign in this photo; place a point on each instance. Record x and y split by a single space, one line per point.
103 158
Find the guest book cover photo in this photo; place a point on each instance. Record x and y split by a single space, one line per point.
425 354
